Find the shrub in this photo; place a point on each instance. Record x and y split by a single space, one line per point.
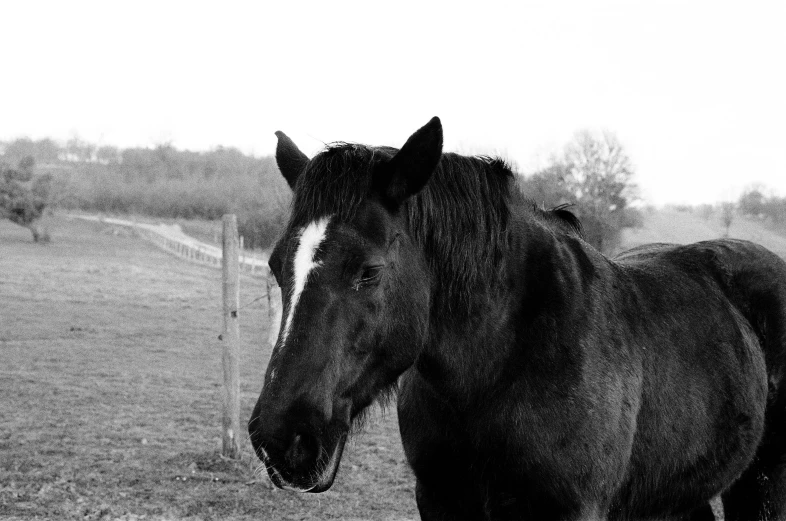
23 196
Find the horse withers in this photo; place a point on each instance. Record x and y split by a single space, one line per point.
536 378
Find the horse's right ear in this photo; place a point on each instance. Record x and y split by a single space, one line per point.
291 161
411 168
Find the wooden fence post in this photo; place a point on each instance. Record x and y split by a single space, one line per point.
242 251
230 446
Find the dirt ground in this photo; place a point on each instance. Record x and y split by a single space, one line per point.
110 381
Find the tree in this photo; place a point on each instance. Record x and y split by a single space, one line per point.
23 196
594 172
107 154
547 187
47 151
43 151
727 216
18 149
79 150
706 210
752 202
775 210
27 165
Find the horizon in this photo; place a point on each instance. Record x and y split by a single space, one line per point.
693 92
635 201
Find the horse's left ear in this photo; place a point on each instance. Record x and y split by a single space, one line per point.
291 161
411 168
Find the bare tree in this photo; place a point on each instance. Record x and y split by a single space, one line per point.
596 174
727 216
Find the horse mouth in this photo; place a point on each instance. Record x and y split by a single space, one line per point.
319 479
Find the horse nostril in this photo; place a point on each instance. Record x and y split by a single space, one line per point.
303 452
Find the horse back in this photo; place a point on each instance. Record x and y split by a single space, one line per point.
750 277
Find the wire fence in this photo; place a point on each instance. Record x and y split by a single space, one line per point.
171 238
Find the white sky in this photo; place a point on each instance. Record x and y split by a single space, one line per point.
696 91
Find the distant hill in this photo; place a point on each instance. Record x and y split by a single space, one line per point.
683 227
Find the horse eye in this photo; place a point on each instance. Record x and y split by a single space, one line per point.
370 273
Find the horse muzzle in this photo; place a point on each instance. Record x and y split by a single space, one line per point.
302 463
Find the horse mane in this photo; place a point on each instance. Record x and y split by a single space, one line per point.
562 217
460 218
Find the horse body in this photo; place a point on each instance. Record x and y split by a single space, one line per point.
537 379
652 415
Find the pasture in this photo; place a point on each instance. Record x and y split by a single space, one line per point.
110 392
110 386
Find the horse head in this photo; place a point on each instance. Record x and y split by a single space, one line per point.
355 291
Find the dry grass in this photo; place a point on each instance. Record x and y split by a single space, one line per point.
683 227
110 382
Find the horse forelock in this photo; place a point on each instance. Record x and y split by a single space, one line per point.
336 182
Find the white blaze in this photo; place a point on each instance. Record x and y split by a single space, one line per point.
310 239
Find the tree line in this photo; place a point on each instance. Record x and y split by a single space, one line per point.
161 181
592 172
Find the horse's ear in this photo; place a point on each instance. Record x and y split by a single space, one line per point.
411 168
291 161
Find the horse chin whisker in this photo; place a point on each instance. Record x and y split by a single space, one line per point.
327 473
382 402
263 466
258 470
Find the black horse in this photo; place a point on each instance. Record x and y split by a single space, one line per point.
536 378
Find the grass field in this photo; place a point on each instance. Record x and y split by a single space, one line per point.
110 387
684 227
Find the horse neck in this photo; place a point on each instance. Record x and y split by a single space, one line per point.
541 282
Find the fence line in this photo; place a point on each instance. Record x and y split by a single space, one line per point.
170 237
